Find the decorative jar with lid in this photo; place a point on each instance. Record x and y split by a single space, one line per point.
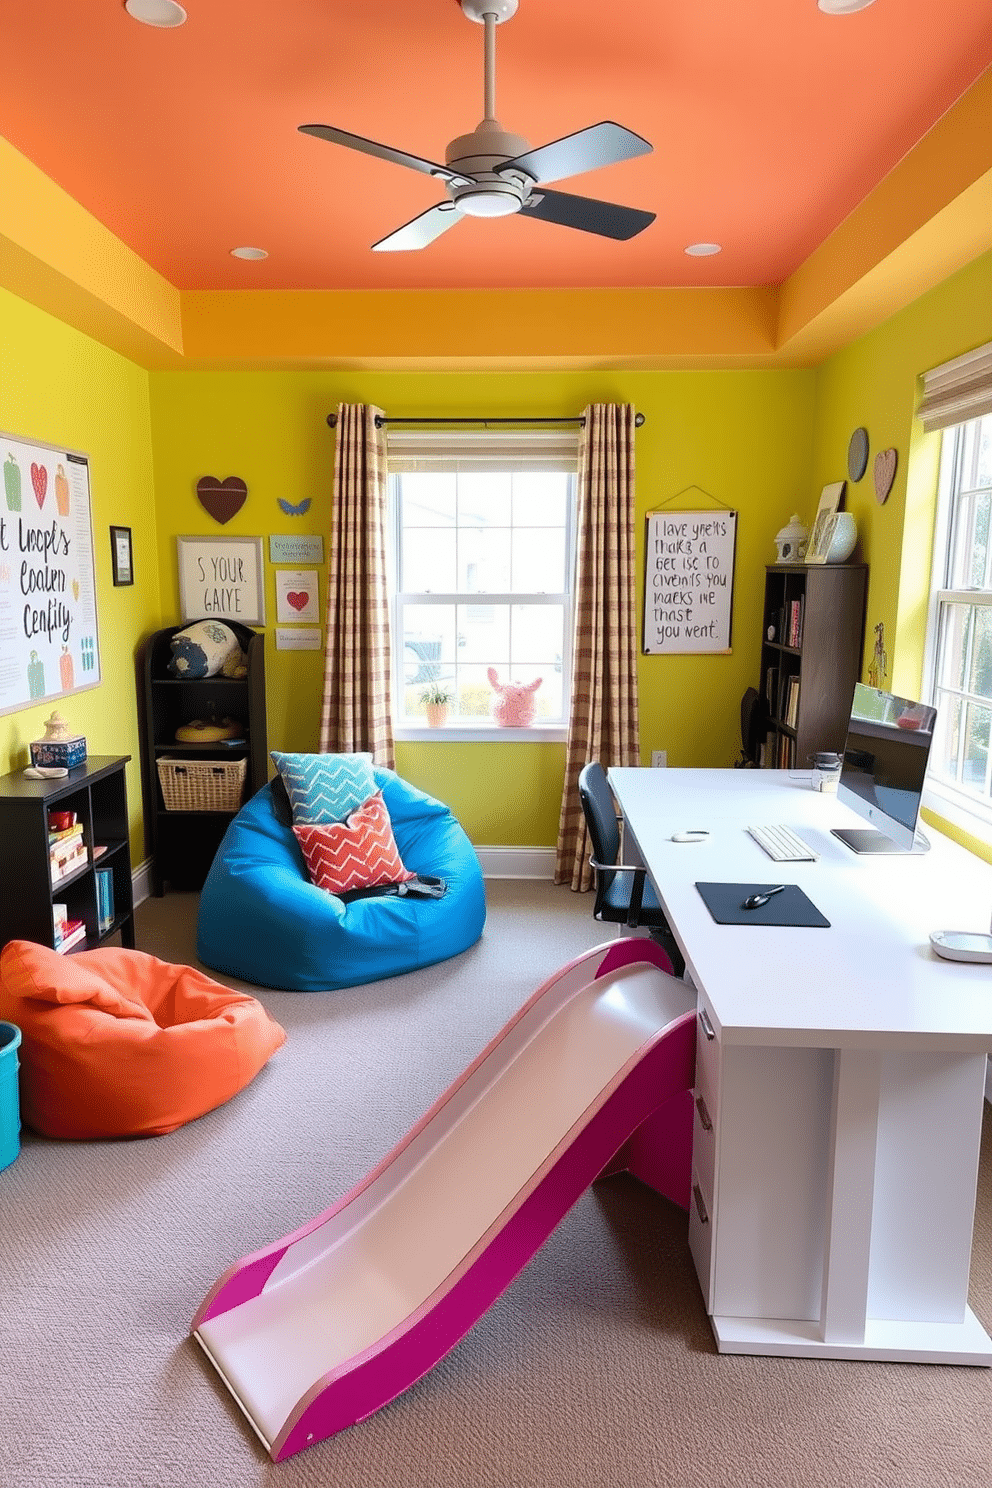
791 541
59 747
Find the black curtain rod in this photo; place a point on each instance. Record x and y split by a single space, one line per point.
381 419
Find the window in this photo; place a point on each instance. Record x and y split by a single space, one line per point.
483 569
959 637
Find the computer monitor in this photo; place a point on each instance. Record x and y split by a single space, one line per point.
884 767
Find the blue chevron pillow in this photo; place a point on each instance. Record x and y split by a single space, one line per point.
325 787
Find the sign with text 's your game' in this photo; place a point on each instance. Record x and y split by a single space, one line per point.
689 581
48 621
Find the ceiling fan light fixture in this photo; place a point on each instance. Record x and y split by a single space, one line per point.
842 7
703 250
163 13
487 202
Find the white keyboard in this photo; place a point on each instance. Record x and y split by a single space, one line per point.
783 844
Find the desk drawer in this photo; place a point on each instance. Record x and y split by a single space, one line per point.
703 1148
701 1237
708 1056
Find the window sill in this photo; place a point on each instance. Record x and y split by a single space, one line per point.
459 733
958 811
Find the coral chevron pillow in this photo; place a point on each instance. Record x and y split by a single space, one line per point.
358 853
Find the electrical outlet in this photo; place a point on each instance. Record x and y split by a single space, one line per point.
659 758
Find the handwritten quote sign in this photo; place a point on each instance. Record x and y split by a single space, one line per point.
689 581
48 631
221 578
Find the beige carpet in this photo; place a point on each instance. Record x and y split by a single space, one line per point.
597 1367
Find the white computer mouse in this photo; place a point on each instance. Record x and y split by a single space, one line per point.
699 836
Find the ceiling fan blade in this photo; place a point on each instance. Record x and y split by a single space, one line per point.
600 144
421 231
604 218
384 152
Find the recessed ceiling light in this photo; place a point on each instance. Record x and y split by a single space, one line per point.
249 253
843 7
156 12
703 250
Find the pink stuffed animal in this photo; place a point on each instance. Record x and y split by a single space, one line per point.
514 703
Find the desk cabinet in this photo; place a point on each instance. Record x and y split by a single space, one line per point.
812 640
808 1170
96 792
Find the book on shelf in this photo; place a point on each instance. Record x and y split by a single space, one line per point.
795 623
64 864
99 848
65 834
105 898
792 702
69 933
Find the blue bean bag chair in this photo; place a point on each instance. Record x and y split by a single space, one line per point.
262 919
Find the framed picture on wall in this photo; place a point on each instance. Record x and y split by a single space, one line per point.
120 550
221 578
828 507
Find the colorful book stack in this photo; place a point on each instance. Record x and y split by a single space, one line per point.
66 848
105 898
67 932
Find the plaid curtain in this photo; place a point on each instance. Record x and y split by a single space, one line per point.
355 713
603 724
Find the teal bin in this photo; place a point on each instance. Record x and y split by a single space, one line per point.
10 1106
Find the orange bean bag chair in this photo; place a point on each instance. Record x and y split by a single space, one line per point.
116 1043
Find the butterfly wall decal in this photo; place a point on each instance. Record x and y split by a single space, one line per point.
294 511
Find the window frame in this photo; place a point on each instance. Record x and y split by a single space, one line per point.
483 731
941 796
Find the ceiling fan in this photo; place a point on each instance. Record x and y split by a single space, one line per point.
491 173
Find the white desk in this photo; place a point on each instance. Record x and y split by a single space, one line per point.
840 1075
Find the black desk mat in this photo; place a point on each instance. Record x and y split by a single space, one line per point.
791 907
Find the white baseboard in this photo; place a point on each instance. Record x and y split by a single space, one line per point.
141 881
517 862
497 862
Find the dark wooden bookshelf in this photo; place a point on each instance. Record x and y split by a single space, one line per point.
816 664
182 844
96 791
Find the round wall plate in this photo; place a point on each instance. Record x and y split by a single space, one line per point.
857 454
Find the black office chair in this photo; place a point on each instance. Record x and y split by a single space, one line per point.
624 893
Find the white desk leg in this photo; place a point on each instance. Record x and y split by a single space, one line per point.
850 1196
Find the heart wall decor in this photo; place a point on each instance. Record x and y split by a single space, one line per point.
221 499
885 474
39 481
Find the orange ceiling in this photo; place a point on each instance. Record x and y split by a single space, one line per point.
770 122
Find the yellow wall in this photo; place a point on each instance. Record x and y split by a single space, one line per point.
875 382
60 387
761 441
740 438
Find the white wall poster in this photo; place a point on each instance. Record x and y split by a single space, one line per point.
296 595
689 581
48 621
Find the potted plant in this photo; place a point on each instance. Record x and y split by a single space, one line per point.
436 699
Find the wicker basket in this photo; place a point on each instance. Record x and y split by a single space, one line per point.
202 785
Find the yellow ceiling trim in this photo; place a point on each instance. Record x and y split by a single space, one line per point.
927 205
506 330
55 254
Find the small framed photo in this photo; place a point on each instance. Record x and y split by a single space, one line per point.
819 539
120 549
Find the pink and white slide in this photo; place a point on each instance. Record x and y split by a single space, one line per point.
593 1074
